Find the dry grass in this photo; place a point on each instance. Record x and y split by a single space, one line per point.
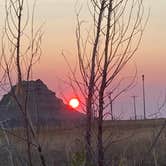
126 144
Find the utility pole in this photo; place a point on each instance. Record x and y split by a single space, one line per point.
143 89
134 106
111 107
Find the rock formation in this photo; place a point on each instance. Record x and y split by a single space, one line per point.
43 106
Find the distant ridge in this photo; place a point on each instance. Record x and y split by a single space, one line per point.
43 106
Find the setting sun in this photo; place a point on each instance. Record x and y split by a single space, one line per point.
74 102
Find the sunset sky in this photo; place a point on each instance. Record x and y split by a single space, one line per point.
59 21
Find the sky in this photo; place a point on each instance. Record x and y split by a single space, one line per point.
59 21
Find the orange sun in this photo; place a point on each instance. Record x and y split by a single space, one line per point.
74 103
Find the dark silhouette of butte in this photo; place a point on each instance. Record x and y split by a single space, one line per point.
43 106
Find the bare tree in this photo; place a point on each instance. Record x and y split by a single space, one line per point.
20 51
102 54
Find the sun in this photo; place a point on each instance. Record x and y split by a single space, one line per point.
74 102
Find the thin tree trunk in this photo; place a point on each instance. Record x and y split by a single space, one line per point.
100 134
102 89
18 47
91 89
19 75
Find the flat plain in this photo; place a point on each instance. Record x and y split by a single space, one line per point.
126 143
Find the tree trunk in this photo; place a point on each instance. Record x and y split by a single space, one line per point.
91 88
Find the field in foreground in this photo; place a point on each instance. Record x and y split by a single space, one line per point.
126 143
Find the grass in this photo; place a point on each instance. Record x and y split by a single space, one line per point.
126 143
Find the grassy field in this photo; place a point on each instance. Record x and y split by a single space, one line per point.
126 143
